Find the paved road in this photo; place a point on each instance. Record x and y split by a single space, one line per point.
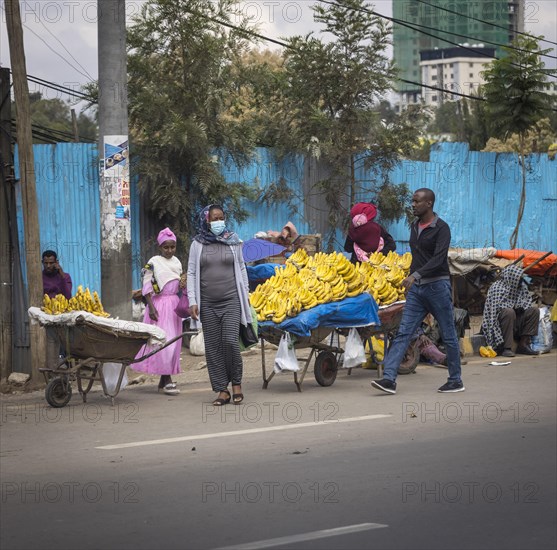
337 467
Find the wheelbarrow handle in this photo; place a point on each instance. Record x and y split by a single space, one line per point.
165 345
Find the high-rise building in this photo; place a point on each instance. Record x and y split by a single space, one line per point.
479 21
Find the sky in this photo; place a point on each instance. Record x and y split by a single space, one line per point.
61 35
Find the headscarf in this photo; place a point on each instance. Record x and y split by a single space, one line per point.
363 231
509 291
165 235
206 236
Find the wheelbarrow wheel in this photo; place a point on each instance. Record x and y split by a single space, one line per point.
325 368
58 392
410 360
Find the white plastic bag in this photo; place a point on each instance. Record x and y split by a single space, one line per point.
197 344
543 341
111 372
286 355
354 352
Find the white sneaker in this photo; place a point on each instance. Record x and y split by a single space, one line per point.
171 389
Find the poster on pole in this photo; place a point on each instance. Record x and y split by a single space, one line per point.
116 167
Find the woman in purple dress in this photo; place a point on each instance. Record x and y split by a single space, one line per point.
162 279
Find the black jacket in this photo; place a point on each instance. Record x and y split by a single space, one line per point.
389 244
430 251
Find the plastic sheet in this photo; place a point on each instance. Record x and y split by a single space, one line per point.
358 311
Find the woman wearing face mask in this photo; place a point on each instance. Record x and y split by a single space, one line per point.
162 278
218 296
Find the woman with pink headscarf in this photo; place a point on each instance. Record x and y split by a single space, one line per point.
162 279
366 236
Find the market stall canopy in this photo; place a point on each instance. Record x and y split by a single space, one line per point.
257 249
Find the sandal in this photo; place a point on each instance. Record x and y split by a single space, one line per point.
171 389
237 398
219 401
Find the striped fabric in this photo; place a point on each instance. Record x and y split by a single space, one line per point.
221 328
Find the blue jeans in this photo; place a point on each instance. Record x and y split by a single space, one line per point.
434 298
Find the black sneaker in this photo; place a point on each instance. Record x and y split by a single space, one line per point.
451 387
388 386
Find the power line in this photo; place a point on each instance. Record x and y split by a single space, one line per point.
508 46
50 48
402 23
289 46
59 41
483 21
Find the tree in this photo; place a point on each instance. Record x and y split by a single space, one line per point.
182 89
52 121
328 105
516 99
536 140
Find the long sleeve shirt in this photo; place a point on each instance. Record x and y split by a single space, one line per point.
57 284
430 248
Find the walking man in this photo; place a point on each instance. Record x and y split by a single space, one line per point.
428 291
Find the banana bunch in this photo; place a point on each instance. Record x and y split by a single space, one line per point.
304 282
82 301
384 274
403 261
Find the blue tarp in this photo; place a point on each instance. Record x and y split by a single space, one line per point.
257 249
261 271
351 312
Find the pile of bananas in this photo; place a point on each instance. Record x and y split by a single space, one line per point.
306 281
383 275
82 301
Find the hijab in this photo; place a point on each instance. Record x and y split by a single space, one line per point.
363 230
206 236
509 291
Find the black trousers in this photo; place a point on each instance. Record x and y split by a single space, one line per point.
515 324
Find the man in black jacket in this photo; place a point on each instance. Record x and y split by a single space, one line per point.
428 291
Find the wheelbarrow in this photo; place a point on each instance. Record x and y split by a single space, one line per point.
88 347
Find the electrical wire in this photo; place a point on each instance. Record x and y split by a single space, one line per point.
483 21
59 41
59 88
476 51
50 48
289 46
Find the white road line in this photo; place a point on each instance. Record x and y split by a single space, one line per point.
240 432
313 535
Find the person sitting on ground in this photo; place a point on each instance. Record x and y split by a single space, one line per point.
509 312
55 281
366 236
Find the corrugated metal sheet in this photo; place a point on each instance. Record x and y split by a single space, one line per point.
67 185
478 195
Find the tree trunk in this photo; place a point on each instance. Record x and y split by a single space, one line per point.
514 235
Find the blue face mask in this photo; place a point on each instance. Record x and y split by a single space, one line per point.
217 227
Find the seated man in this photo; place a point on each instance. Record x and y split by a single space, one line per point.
55 281
509 312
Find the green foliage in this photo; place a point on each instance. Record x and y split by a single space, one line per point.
55 114
181 81
515 88
516 99
328 104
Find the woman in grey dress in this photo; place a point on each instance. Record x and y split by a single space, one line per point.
218 295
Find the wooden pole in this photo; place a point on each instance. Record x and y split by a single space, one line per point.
74 126
27 182
6 256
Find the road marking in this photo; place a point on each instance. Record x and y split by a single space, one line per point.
240 432
313 535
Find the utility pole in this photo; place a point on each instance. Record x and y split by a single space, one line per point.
27 181
116 256
74 127
6 256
